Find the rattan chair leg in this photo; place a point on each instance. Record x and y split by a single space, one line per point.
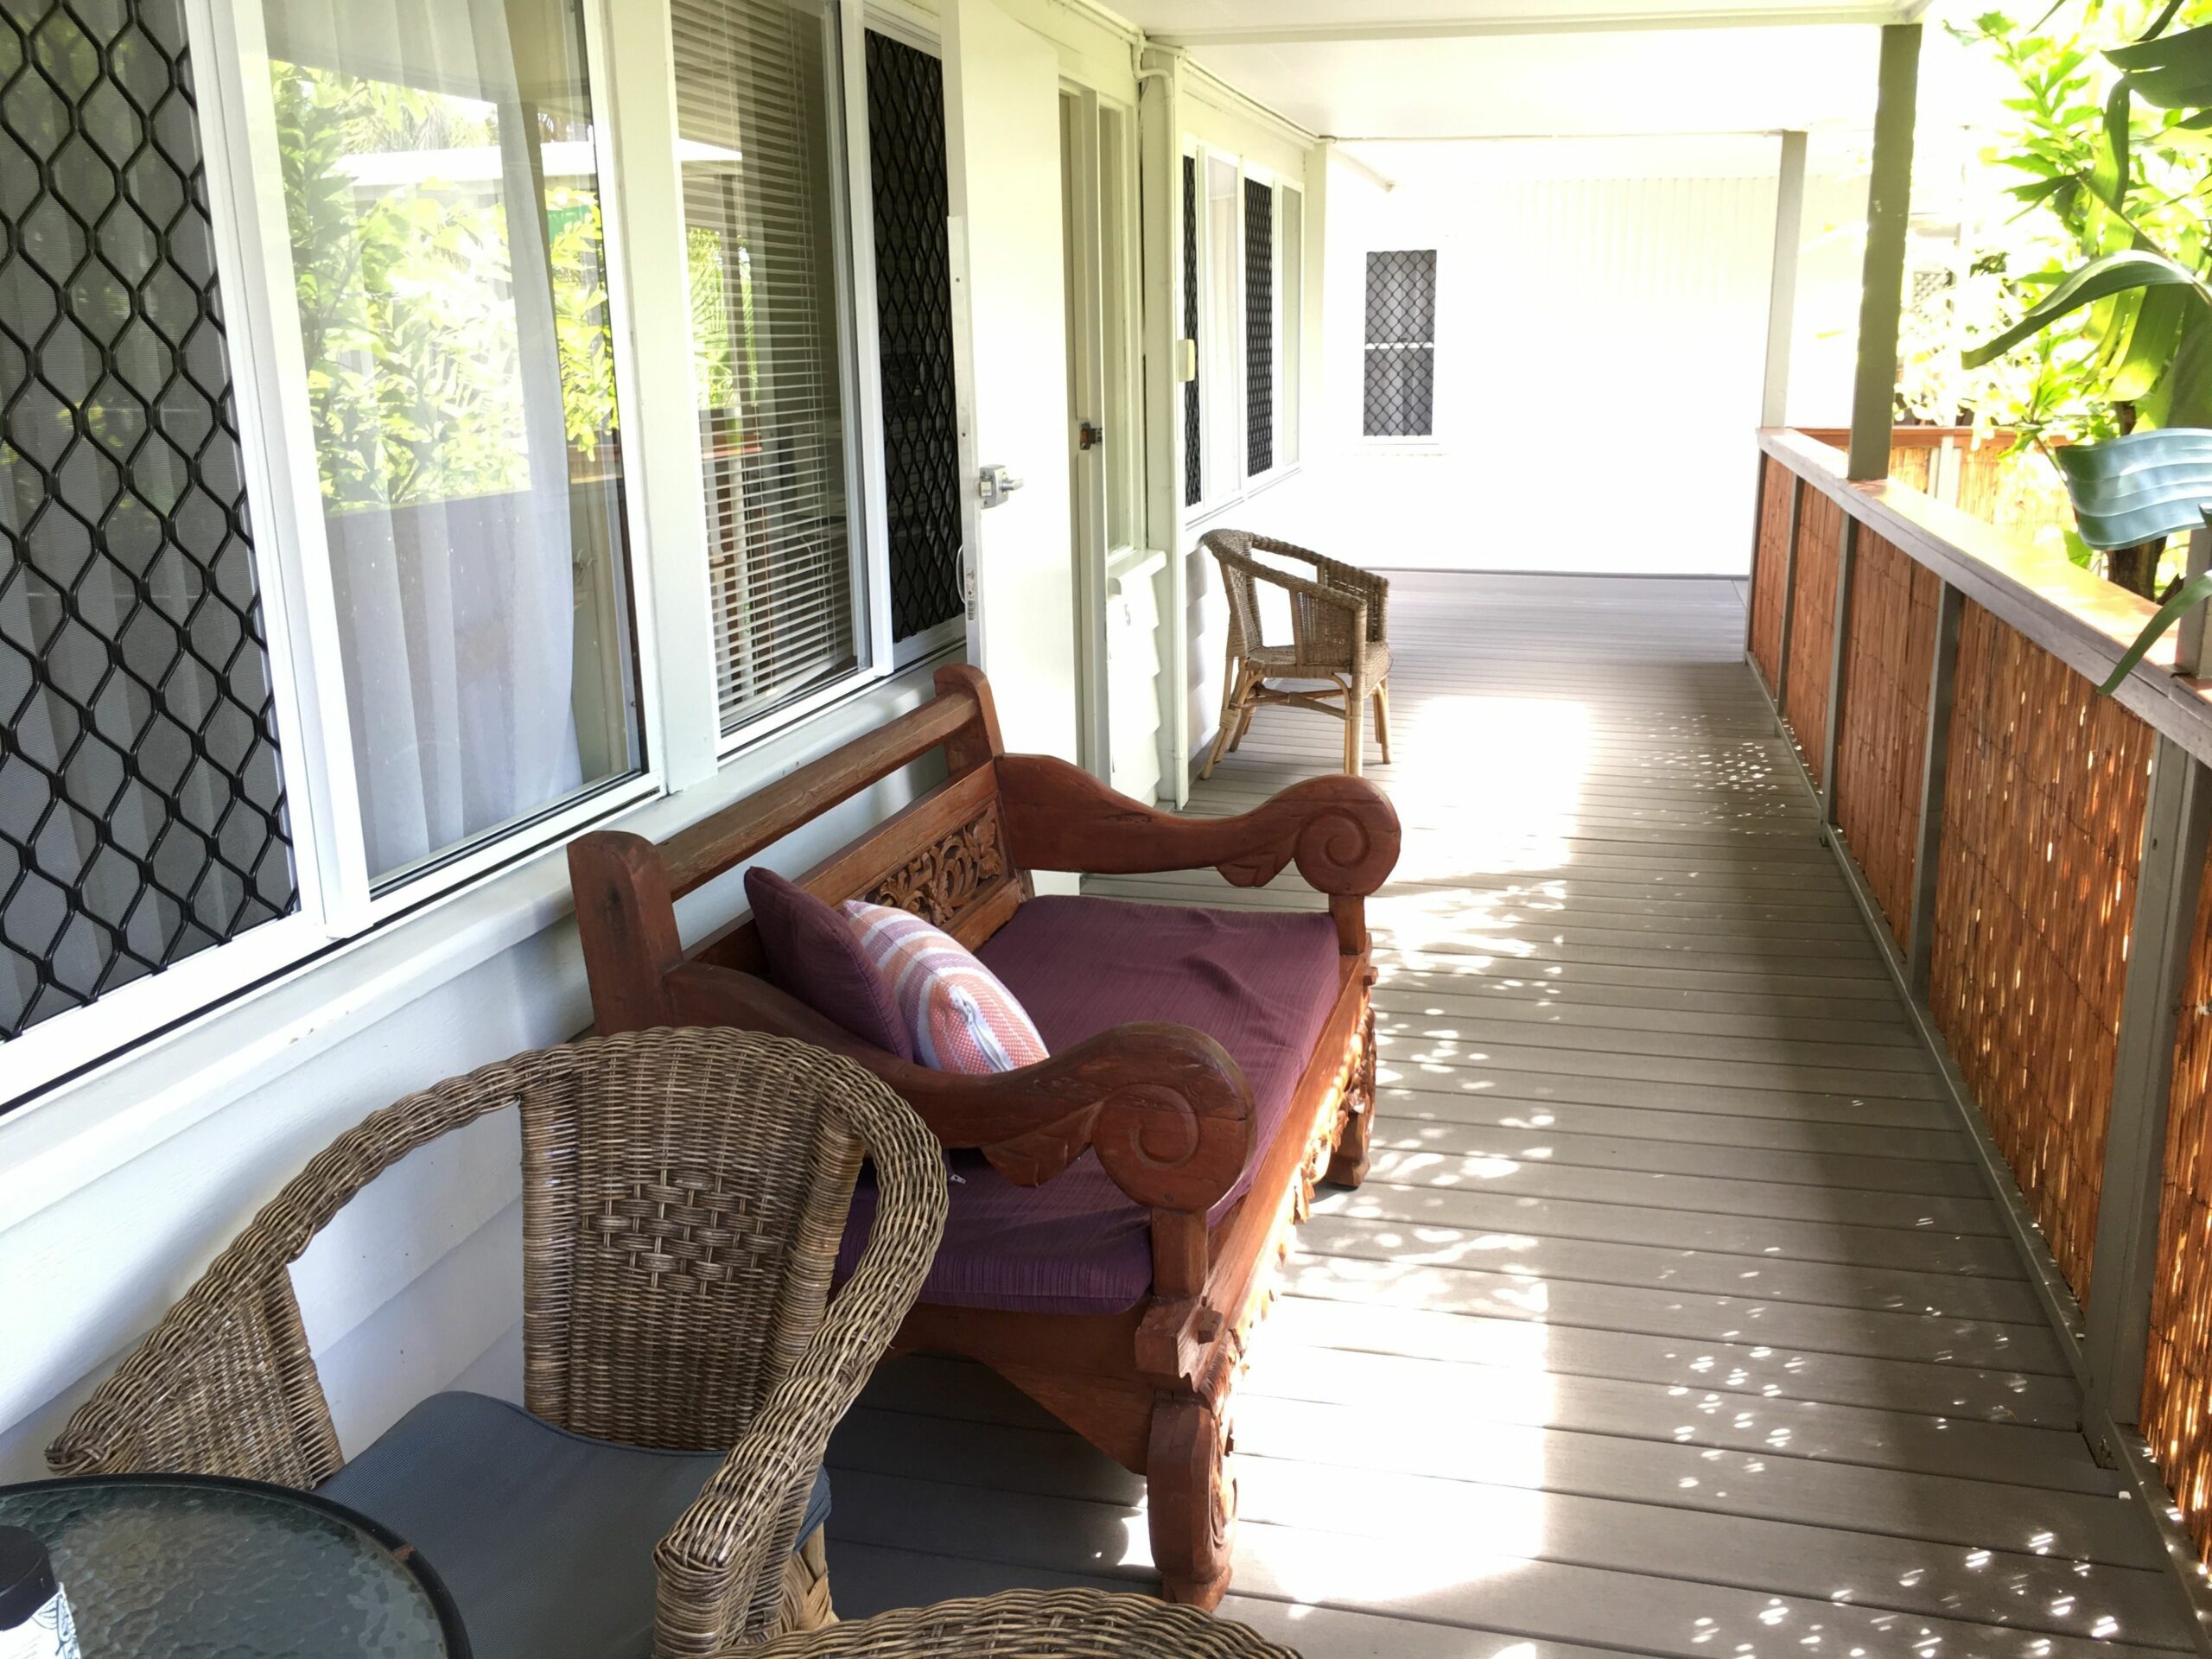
1383 719
1248 705
805 1591
1232 706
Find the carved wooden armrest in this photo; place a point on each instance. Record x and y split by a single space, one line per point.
1343 832
1168 1112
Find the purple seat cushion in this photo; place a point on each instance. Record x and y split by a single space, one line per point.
813 955
1260 983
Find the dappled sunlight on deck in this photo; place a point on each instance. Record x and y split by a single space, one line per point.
1673 1316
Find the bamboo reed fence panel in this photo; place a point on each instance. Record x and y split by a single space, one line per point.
2042 835
1812 625
1882 730
1770 566
2176 1417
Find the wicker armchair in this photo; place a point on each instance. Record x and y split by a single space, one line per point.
1337 634
683 1193
1032 1624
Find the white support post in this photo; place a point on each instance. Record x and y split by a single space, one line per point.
1160 202
1781 286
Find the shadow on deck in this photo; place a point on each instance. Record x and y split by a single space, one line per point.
1675 1317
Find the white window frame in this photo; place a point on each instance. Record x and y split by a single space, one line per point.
1216 494
677 719
909 27
1411 443
338 898
1256 174
1288 327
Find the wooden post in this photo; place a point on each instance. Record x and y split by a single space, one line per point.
1782 283
2174 825
1881 289
1934 767
1797 488
1846 560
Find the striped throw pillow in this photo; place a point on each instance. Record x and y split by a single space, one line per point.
961 1018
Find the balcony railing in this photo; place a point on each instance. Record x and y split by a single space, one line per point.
2033 857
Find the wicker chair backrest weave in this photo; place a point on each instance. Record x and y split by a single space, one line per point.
1232 551
683 1193
1324 607
680 1220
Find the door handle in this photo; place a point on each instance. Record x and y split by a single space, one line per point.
994 483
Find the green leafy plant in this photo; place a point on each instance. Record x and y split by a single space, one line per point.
2116 134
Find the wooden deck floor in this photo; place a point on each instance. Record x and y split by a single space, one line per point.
1674 1317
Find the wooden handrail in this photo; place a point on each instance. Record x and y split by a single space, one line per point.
2083 620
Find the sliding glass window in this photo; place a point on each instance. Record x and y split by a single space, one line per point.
442 199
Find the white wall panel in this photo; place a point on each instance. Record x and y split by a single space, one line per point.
1598 364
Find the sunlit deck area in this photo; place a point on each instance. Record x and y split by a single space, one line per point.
1675 1316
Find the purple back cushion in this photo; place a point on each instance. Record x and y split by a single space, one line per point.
813 954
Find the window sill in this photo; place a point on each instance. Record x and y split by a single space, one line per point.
1202 515
1389 447
73 1134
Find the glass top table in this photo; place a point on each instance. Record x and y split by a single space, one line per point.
179 1567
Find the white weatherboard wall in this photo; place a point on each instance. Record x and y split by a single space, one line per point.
1601 314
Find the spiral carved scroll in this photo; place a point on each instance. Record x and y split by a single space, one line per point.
948 874
1343 832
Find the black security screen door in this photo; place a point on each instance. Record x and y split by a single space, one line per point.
913 300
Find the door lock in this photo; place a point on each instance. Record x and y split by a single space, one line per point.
1090 435
994 483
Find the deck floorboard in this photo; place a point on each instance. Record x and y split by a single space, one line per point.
1674 1317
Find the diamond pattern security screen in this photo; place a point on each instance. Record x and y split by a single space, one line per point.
913 304
141 807
1259 327
1400 378
1193 438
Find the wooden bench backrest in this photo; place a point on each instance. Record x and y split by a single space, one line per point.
944 856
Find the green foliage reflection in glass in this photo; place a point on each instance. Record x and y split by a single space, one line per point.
405 284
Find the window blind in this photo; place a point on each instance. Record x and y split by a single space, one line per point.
756 120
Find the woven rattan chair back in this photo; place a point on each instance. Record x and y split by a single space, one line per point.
1337 622
683 1194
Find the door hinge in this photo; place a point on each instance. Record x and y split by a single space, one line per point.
1090 435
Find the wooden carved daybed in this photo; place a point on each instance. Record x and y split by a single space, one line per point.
1115 1223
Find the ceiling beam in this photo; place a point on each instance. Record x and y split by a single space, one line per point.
1597 23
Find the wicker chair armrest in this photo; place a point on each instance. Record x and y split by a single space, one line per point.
1342 832
719 1567
1034 1623
224 1383
1374 590
1168 1112
1313 589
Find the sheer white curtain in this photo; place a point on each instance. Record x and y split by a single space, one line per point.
417 198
